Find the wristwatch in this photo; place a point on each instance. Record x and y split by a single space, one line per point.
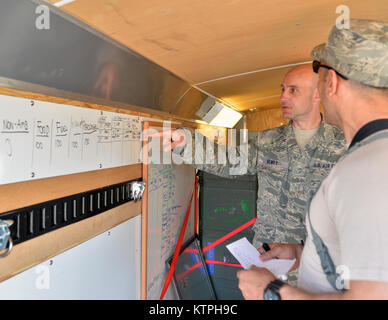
271 292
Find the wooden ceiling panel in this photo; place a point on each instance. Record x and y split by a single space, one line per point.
250 91
202 41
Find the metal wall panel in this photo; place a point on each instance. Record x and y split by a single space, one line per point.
50 52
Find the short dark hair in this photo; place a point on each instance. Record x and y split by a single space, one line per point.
368 89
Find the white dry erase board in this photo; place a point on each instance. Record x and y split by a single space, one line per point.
104 267
170 187
41 139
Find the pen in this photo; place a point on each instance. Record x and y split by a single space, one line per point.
267 248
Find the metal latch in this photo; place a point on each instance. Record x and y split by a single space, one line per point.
137 189
6 242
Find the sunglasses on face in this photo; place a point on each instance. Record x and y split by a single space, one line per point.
317 65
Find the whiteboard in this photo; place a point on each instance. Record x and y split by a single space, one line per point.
40 139
169 191
104 267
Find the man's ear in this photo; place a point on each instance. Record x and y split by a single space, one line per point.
332 83
316 97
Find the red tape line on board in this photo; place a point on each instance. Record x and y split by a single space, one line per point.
228 235
177 249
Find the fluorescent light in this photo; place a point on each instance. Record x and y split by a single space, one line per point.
213 111
217 114
62 3
200 121
226 117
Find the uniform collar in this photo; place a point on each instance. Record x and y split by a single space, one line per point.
315 140
369 129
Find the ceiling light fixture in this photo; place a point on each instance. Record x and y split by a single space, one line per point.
217 114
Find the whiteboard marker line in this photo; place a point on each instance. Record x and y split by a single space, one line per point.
68 145
111 142
82 139
51 141
122 143
33 145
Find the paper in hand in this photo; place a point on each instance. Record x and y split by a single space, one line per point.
248 255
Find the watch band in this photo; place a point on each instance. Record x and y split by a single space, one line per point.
277 283
274 287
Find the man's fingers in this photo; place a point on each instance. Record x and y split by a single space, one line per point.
170 138
160 133
169 145
271 254
244 275
167 135
267 256
295 265
280 251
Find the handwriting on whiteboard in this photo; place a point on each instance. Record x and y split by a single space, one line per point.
169 190
43 139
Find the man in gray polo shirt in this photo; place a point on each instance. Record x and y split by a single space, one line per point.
345 255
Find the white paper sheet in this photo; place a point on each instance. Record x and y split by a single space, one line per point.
248 255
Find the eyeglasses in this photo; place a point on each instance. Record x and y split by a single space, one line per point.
317 65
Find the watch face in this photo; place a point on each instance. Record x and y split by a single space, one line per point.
270 294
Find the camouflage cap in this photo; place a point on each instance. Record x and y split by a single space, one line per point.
359 53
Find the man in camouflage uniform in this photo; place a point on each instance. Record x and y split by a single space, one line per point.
345 255
289 161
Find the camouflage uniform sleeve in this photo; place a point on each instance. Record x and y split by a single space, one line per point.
221 160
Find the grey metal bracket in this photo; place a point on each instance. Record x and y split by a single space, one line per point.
137 188
6 242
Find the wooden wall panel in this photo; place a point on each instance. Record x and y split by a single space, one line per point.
32 252
23 194
266 119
